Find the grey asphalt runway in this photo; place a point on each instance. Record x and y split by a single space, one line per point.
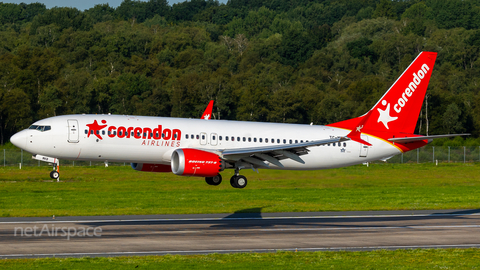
238 232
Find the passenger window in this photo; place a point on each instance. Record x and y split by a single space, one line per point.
198 137
203 137
244 139
238 138
296 141
186 136
86 131
226 138
266 140
284 141
278 140
290 141
344 144
260 139
220 138
213 138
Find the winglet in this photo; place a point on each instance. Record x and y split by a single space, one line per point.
207 114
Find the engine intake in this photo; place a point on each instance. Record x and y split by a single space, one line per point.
195 162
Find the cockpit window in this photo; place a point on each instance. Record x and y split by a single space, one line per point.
40 128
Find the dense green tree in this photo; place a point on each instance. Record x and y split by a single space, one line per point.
21 13
101 13
64 18
284 61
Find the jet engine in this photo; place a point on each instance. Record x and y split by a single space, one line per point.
193 162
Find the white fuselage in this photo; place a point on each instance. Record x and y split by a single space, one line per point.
67 138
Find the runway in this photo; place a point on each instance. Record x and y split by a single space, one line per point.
238 232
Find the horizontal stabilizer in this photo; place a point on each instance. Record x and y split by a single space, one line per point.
422 138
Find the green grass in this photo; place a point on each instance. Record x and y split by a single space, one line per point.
381 259
122 191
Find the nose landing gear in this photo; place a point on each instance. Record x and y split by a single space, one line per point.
55 174
56 165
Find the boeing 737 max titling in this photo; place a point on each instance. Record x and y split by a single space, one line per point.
196 147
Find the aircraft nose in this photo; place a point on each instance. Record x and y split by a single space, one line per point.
19 139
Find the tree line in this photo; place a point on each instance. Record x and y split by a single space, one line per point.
290 61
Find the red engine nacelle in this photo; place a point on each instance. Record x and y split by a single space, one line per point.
145 167
195 162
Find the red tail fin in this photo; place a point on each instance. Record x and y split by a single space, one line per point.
397 111
207 114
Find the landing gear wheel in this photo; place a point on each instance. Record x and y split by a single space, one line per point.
54 174
233 180
214 181
238 181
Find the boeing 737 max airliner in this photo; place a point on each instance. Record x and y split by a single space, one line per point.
196 147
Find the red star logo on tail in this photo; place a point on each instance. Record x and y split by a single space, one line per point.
95 127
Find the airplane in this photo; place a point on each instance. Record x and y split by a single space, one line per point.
195 147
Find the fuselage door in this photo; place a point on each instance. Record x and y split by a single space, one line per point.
213 139
203 138
73 132
363 147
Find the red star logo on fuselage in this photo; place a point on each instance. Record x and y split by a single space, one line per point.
95 127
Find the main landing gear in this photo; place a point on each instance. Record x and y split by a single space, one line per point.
214 181
237 181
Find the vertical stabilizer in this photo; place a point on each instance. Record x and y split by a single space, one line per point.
207 114
398 109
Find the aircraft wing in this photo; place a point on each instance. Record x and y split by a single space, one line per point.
422 138
257 156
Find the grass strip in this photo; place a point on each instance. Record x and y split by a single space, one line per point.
86 191
380 259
